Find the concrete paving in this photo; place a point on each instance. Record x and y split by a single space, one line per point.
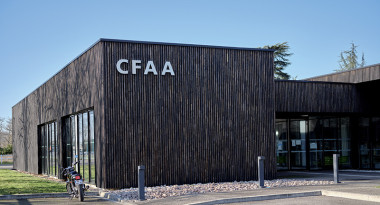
314 200
355 186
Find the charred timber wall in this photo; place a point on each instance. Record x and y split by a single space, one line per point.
208 123
316 97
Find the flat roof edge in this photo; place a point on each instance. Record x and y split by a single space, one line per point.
309 81
340 72
184 44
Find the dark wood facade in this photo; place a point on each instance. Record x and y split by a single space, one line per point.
316 97
350 92
208 123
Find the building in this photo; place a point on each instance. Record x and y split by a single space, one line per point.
190 114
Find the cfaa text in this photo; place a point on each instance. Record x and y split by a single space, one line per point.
149 68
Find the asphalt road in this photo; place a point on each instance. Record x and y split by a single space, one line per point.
87 200
313 200
6 166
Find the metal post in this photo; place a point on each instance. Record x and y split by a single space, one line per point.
336 168
141 182
261 170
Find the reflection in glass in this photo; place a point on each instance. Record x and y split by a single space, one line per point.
85 163
376 144
330 134
364 143
344 143
282 144
74 138
297 136
81 143
316 143
92 147
48 149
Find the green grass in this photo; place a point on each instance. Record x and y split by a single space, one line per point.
6 163
378 187
13 182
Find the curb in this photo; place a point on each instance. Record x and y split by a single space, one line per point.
115 197
260 198
349 195
110 196
42 195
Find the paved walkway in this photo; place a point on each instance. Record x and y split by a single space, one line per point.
355 186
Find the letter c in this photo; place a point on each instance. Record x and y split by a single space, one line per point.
118 64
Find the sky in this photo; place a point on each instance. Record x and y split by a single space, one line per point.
38 38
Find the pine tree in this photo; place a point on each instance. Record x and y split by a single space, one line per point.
349 59
281 60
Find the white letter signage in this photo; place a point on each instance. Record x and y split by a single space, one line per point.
149 68
118 64
167 68
135 66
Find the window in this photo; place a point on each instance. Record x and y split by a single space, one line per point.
48 151
80 143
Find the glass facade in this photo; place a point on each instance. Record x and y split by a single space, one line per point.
80 143
369 143
310 142
282 144
297 136
48 151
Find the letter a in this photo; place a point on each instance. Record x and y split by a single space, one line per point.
150 68
167 68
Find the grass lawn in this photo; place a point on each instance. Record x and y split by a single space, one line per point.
13 182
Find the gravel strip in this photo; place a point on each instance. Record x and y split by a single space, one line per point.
160 192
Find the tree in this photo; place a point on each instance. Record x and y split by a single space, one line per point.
349 59
2 125
281 60
5 132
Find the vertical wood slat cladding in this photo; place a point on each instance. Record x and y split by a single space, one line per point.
313 97
365 74
76 87
208 123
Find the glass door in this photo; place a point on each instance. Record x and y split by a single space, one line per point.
344 143
315 143
364 144
376 143
80 143
282 144
330 133
297 136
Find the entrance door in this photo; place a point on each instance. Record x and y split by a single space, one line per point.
369 143
297 136
80 143
282 144
376 144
